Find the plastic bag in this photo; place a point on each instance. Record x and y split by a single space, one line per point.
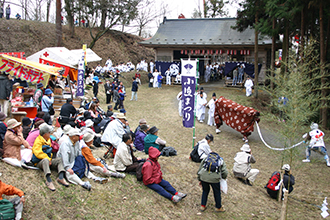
223 186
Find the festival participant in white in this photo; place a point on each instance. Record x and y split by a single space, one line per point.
168 76
179 98
151 66
200 107
248 86
316 143
211 107
155 75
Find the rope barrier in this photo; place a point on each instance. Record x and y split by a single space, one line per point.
273 148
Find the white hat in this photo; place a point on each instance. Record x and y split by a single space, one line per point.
121 116
89 123
13 123
286 167
74 131
314 126
66 129
245 148
88 137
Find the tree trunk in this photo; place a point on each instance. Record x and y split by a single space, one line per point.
256 69
48 9
323 113
58 24
302 33
272 59
103 18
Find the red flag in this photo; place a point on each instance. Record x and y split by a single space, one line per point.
235 52
185 52
216 52
248 52
192 51
221 52
203 52
211 52
181 51
228 52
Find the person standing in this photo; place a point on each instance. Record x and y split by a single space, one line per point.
95 88
248 86
1 11
316 143
242 166
4 93
8 12
200 107
159 79
211 106
240 74
151 66
209 177
155 75
151 79
47 101
234 77
135 88
168 76
108 90
116 97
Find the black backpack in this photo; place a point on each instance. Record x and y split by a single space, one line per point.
194 154
213 162
169 151
139 175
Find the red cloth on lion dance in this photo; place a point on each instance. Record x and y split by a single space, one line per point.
237 116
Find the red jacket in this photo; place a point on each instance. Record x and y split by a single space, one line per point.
151 171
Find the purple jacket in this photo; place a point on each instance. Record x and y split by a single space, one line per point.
139 140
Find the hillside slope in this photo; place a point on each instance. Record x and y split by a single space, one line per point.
32 36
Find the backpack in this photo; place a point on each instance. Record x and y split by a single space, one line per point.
273 180
194 154
213 162
80 166
139 175
169 151
7 210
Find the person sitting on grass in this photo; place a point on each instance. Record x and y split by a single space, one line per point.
94 164
142 121
152 140
139 137
42 157
35 132
125 161
153 178
26 126
18 202
68 152
13 141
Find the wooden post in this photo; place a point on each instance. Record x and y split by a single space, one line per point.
284 204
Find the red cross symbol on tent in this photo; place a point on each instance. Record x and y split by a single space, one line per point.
46 54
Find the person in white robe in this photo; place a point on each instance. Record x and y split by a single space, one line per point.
179 98
211 107
155 74
178 78
200 107
248 86
108 62
207 72
151 66
168 76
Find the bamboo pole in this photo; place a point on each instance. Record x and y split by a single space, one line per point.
284 204
196 86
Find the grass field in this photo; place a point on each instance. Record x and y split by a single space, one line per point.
129 199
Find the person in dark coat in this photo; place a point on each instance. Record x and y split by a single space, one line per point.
116 97
26 122
67 113
108 91
135 88
3 130
5 90
149 77
95 88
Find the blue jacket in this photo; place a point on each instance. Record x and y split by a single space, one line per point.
134 86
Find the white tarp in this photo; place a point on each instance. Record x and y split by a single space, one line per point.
64 55
91 56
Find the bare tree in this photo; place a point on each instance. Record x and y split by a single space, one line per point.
147 13
49 2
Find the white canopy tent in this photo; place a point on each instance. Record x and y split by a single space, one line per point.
64 55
